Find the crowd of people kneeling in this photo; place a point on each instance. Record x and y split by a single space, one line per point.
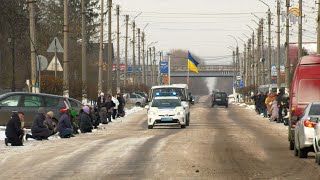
70 123
272 105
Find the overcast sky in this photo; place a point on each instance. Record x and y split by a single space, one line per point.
204 26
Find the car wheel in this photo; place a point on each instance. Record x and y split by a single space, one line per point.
150 126
291 145
295 150
183 126
302 153
188 120
138 104
227 106
316 158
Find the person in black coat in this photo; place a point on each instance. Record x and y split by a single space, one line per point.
85 120
14 133
109 104
39 130
101 100
121 105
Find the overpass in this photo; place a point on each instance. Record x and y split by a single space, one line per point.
204 71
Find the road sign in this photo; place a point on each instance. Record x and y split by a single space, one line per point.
164 67
238 77
55 46
52 66
42 62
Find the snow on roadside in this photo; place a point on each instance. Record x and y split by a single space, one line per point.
128 112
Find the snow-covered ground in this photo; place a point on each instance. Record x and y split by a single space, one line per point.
118 120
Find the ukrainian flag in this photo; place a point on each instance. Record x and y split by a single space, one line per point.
192 63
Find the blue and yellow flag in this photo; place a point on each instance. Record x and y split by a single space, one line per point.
192 63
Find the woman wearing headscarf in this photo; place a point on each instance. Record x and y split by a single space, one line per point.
85 120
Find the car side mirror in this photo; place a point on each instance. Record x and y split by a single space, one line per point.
314 119
147 107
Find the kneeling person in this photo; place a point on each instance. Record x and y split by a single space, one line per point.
85 120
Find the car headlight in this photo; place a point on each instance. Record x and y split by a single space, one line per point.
152 113
180 113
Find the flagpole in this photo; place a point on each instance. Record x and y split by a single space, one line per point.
188 74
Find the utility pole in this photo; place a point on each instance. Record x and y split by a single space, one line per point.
134 53
300 31
235 71
139 58
154 66
252 63
147 68
66 50
237 61
143 60
110 62
159 66
269 47
126 54
248 72
84 52
244 68
258 68
33 45
262 55
318 29
118 49
278 42
287 69
151 64
101 50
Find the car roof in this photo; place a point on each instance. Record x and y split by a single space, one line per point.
171 86
166 97
29 93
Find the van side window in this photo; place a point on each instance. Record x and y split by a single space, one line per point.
73 103
51 101
10 101
32 101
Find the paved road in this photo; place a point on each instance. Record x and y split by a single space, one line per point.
220 143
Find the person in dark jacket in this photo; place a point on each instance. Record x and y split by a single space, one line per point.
85 120
39 130
50 123
101 100
64 126
14 133
281 104
109 104
121 105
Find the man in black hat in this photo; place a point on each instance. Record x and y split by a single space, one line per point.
14 133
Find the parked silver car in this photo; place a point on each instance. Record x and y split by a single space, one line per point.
135 99
304 130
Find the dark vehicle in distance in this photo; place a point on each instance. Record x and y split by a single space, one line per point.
219 98
29 103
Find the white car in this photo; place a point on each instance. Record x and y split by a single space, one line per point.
304 130
165 111
181 91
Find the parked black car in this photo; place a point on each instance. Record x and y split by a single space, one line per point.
29 103
219 98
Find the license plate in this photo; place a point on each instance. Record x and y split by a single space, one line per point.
166 119
218 99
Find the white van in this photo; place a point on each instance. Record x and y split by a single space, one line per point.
181 91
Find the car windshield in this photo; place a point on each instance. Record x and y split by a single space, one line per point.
220 95
164 103
314 110
179 91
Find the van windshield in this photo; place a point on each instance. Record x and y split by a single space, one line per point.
180 92
309 91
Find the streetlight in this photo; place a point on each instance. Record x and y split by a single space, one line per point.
269 42
255 15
